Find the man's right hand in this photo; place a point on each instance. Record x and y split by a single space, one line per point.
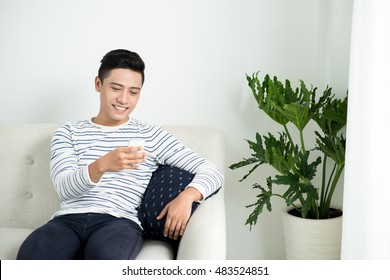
116 160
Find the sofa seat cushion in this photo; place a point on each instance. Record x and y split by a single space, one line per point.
10 241
156 250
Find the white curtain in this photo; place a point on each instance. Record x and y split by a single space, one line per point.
366 220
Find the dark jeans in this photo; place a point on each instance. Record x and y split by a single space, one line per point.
84 236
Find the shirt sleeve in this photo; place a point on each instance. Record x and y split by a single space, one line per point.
70 180
208 178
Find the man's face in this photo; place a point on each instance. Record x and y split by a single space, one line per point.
119 95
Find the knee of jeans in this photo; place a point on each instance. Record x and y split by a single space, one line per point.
125 248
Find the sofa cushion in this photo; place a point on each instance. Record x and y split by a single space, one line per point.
166 184
156 249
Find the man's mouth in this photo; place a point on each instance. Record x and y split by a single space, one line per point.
120 108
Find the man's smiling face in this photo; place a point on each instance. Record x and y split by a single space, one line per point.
119 95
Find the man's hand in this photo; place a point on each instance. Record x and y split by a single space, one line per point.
178 212
116 160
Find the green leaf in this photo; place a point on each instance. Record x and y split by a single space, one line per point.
264 199
331 116
297 114
265 94
257 147
333 147
243 163
299 190
304 169
300 187
279 153
257 157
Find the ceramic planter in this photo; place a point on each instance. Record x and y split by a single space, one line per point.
310 239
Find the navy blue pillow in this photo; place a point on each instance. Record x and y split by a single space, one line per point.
166 184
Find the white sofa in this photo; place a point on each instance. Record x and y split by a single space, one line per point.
28 199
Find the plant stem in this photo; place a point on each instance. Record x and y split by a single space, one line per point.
314 209
327 188
324 209
322 197
288 135
302 141
336 178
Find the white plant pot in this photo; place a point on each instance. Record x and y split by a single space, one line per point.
310 239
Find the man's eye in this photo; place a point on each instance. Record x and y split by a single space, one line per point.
133 92
115 89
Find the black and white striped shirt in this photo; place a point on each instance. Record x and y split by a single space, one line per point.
77 144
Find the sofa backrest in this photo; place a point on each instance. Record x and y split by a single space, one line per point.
27 197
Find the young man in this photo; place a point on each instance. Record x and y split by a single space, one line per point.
101 180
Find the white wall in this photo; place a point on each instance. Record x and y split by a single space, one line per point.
196 52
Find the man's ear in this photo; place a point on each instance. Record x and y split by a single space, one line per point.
98 84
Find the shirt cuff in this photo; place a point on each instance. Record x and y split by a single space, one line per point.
88 178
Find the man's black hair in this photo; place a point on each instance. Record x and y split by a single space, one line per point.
121 58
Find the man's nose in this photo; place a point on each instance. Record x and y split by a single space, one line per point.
123 97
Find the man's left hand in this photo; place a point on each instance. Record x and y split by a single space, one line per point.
178 212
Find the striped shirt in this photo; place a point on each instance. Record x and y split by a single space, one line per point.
77 144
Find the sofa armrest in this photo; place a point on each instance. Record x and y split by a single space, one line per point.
10 241
205 236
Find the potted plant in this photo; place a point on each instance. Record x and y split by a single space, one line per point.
298 165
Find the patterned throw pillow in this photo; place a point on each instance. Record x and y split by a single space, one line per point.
166 184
